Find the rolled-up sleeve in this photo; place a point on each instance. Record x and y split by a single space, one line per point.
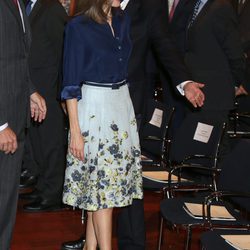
73 74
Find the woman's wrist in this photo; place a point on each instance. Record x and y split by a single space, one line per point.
75 131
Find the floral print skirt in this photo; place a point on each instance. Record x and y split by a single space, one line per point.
110 175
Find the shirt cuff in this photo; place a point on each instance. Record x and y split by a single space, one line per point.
4 126
70 92
181 86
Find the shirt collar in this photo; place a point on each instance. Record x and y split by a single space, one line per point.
124 4
204 2
33 3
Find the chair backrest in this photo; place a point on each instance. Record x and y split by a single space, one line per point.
156 125
235 174
197 136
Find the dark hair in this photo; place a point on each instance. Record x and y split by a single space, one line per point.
94 9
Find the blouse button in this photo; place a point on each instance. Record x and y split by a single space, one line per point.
119 47
117 38
120 59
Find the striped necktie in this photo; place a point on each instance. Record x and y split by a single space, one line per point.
195 13
29 7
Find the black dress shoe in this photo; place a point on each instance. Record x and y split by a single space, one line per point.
74 245
42 205
27 181
29 196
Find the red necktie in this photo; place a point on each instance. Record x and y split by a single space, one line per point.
171 14
15 2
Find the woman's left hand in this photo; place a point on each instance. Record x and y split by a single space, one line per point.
76 146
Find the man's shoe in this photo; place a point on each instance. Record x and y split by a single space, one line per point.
42 205
29 196
74 245
27 181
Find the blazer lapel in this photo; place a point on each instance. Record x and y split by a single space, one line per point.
178 8
202 13
15 11
38 5
133 6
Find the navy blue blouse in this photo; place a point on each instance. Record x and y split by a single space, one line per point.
92 53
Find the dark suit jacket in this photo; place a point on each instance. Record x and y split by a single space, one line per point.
244 24
177 26
149 28
244 27
177 31
214 55
15 85
47 21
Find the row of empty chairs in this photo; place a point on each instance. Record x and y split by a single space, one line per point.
188 171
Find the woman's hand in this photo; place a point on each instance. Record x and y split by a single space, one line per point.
76 146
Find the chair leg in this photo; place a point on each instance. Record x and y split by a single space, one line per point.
160 233
189 237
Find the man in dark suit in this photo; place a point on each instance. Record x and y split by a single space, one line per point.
214 56
242 8
47 19
177 15
15 91
148 28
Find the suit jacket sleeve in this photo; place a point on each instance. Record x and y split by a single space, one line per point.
165 50
226 31
56 19
3 97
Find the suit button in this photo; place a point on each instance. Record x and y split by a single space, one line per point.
120 60
119 47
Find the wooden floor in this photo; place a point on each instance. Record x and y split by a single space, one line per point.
47 231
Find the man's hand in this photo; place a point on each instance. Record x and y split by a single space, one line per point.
8 141
37 107
240 91
194 94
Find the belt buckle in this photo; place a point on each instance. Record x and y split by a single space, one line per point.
115 86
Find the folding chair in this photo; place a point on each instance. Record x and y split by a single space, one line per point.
240 118
183 150
155 143
234 183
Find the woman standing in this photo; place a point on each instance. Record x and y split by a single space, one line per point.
103 161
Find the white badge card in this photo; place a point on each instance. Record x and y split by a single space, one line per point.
203 132
156 119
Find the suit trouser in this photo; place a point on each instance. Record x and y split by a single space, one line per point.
131 227
48 143
10 168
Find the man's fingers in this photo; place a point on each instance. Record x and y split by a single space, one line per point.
201 85
10 146
194 103
14 147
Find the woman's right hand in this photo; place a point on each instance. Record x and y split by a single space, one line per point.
76 146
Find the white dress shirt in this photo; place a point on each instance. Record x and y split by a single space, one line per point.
124 4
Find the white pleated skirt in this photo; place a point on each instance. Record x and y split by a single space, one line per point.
111 174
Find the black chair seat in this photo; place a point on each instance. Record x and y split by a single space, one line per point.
212 240
173 212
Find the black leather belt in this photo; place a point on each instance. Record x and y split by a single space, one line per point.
115 85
